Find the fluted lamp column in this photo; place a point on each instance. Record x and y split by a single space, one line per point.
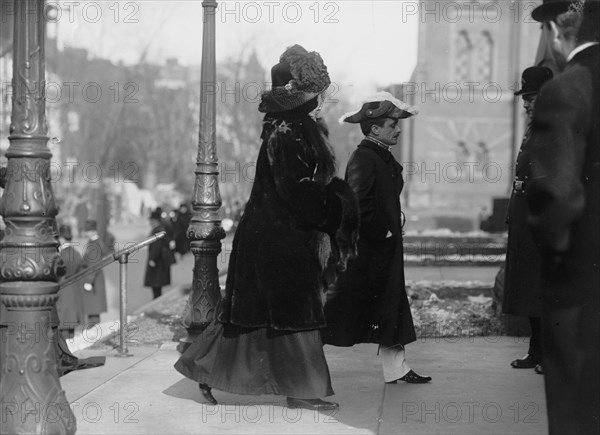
205 231
31 397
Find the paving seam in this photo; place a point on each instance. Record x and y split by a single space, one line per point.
115 376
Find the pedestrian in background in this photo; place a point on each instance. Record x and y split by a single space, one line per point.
522 296
70 298
563 194
94 296
160 258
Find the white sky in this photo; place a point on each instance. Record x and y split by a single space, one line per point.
363 43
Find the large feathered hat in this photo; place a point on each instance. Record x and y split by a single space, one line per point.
380 105
298 78
550 9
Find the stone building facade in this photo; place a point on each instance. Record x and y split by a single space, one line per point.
458 153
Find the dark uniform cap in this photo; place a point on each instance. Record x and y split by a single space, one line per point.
381 105
550 9
533 78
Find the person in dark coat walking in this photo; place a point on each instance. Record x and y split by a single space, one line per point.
94 297
298 228
160 258
563 193
369 304
522 296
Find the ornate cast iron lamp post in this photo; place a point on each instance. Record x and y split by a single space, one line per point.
205 231
31 398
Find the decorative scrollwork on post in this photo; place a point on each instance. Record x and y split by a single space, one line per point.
31 398
205 231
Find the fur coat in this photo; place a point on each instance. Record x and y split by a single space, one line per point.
299 227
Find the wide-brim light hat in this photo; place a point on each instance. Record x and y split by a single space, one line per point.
380 105
299 77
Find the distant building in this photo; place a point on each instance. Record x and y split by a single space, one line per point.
459 152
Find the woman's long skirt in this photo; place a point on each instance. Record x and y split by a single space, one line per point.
258 361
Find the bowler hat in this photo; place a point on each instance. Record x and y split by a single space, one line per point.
91 225
550 9
298 78
533 78
380 105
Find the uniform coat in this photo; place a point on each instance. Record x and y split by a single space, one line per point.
159 252
94 301
563 193
522 295
369 304
297 223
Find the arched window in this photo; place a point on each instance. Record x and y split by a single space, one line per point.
483 57
462 70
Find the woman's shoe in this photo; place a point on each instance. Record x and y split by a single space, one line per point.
539 369
206 392
312 404
412 378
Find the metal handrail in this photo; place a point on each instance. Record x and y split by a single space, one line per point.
109 259
122 257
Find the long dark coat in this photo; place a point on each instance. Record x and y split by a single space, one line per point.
70 298
297 222
369 304
94 301
522 295
159 252
563 193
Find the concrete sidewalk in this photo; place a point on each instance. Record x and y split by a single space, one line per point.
474 391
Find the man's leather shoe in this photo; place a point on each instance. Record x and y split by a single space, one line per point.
528 362
539 369
412 378
207 394
312 404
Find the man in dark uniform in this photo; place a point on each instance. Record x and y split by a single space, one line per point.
522 272
369 304
563 193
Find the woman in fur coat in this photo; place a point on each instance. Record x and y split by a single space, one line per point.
298 229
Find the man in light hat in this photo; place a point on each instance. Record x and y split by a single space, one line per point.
563 194
522 268
369 303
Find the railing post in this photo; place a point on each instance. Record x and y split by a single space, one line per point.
205 231
31 397
123 351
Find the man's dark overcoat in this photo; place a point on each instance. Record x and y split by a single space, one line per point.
159 252
298 221
563 193
369 303
94 301
522 295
